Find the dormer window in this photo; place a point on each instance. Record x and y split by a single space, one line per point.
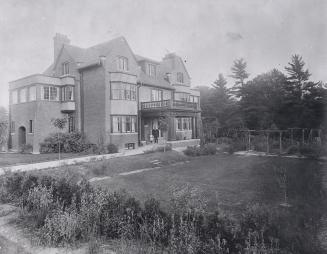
122 63
65 68
180 78
151 70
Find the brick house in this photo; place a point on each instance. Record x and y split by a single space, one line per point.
108 93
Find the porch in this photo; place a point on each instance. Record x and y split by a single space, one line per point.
175 120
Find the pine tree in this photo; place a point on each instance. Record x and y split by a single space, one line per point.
239 74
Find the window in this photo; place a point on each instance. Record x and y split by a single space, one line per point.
116 125
122 63
180 78
45 93
156 95
179 123
152 70
184 123
30 126
22 95
71 123
67 93
65 68
54 96
12 127
123 124
121 91
32 93
50 93
194 99
14 97
181 96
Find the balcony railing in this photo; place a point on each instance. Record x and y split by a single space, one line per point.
169 104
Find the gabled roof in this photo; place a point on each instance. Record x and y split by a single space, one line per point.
142 58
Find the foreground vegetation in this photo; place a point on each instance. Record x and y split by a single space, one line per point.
67 210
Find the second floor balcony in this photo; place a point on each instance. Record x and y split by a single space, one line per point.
169 104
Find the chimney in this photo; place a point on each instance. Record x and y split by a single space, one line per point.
58 41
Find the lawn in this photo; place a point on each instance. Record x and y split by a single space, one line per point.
227 181
7 159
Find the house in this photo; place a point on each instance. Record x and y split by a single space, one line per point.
107 92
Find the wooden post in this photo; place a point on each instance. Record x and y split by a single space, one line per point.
280 142
249 141
292 136
302 136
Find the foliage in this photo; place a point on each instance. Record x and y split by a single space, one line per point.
269 99
59 123
68 211
74 142
206 149
4 126
112 148
239 73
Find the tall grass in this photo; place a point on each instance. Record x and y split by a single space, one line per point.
67 211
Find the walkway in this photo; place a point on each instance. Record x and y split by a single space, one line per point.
72 161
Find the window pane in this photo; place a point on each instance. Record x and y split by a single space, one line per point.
54 96
14 98
69 93
31 126
22 95
123 123
46 93
32 93
128 124
115 124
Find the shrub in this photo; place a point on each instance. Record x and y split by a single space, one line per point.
207 149
112 148
26 148
73 142
313 151
292 150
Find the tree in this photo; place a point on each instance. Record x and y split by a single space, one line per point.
60 124
4 126
297 75
261 100
239 74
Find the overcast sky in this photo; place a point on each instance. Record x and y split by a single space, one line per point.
207 34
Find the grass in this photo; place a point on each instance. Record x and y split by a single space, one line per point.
118 165
8 159
227 181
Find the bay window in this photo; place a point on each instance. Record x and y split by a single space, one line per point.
32 93
14 97
67 93
124 124
123 91
181 96
50 93
22 95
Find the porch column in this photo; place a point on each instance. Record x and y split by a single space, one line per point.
171 128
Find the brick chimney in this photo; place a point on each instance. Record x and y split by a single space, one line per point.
58 41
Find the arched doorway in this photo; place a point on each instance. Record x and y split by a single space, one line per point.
21 136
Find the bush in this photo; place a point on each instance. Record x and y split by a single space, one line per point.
27 148
67 211
207 149
112 148
313 151
73 142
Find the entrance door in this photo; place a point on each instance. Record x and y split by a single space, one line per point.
21 136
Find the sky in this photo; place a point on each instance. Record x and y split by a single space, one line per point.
208 34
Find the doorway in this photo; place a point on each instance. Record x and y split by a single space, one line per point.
21 136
